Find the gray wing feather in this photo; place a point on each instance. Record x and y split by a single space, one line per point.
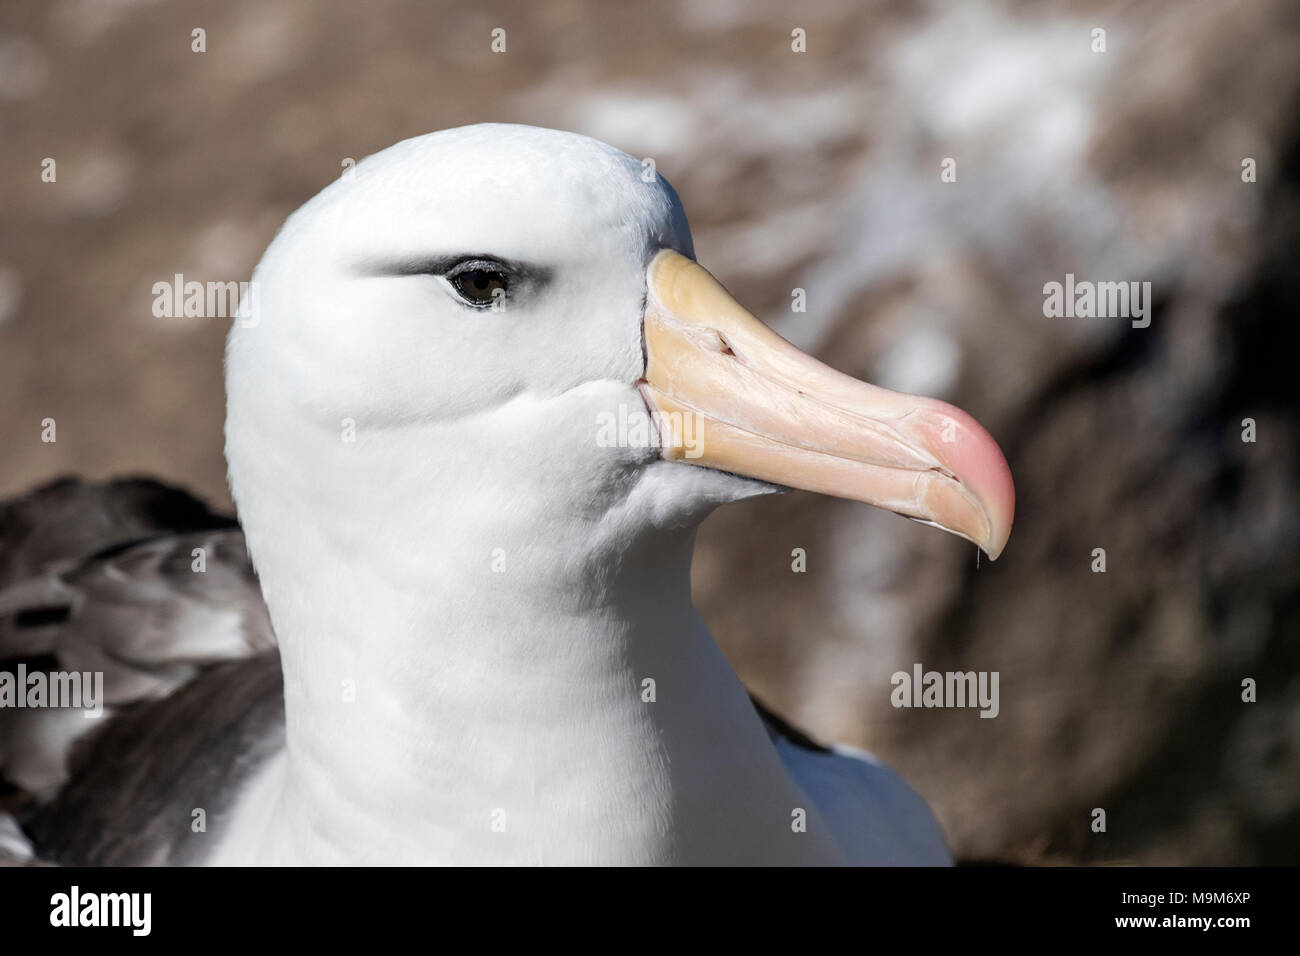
145 585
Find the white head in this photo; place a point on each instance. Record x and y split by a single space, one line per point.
366 362
448 340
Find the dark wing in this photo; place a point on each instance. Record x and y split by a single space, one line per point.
779 730
150 785
144 588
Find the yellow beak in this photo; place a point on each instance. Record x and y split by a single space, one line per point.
729 393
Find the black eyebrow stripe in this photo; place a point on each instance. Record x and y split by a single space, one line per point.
441 265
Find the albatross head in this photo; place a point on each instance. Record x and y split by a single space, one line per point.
483 399
505 319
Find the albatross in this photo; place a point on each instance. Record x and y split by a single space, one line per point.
429 638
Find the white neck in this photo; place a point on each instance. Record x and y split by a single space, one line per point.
440 710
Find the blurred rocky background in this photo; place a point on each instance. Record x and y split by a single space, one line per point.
817 170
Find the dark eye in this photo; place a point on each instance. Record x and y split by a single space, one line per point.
480 286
